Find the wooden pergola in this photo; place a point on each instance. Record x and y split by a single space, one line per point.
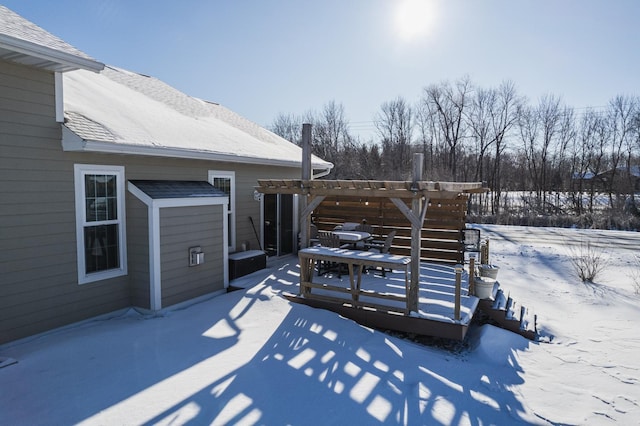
418 192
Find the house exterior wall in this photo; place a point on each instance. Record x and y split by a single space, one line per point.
39 282
138 251
39 287
180 229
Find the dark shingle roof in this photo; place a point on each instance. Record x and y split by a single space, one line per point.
157 189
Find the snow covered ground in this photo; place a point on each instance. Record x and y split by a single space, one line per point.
251 357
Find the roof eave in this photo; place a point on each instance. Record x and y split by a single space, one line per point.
83 145
49 58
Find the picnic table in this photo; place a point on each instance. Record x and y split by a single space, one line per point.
355 261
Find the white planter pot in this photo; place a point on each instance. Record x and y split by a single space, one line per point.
484 287
489 271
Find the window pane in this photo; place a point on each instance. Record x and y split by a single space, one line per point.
101 248
224 185
111 186
112 208
100 181
101 198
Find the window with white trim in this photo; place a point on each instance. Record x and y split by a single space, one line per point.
226 182
100 224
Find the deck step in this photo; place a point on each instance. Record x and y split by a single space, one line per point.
513 310
528 320
509 314
500 302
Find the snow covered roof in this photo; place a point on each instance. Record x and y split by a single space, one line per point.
125 112
26 43
583 175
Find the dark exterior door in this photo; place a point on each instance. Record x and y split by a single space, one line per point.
278 229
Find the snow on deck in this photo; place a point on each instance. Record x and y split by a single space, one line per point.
436 295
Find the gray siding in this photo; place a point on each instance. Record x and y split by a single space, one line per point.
39 287
180 229
138 251
39 283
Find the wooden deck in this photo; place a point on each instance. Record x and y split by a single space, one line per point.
436 306
381 302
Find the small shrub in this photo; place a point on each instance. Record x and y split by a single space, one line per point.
588 260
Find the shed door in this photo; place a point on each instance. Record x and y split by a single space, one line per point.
278 226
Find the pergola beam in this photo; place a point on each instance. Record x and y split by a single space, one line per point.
371 189
415 219
311 205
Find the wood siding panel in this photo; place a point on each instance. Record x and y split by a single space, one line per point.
138 252
180 229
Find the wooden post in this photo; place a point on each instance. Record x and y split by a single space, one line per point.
456 309
305 220
416 207
486 254
483 253
472 272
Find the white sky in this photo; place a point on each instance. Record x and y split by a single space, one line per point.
261 58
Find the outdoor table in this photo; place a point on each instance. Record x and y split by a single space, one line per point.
353 258
352 237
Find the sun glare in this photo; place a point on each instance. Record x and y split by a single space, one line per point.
413 18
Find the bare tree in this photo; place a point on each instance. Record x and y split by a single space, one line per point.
621 113
490 118
539 128
445 104
483 105
330 134
502 121
394 123
333 126
587 159
288 126
472 133
427 138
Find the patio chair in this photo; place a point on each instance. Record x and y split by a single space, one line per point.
381 246
331 240
470 239
363 227
313 235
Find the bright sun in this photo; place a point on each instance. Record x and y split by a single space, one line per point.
413 18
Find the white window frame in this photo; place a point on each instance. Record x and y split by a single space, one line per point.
231 216
80 171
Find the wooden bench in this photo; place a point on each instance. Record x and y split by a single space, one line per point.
355 261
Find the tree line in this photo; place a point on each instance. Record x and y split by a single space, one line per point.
562 162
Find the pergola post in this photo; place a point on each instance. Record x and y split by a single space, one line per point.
305 220
416 208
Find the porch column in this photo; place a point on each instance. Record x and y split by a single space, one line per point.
306 176
416 246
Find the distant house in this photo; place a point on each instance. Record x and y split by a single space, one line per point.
622 178
118 190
